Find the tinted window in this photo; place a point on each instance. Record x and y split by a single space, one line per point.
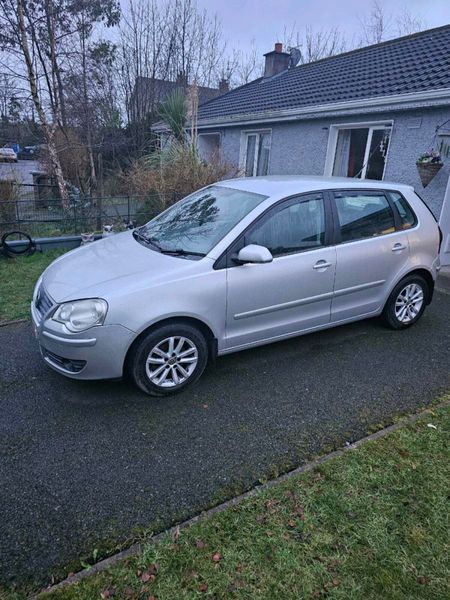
296 227
407 217
363 216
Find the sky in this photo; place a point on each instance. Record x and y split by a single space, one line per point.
264 20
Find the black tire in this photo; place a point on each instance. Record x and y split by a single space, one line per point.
389 314
139 353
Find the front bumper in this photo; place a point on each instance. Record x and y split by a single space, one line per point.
97 353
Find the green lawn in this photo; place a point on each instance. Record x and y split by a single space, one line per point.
17 279
370 524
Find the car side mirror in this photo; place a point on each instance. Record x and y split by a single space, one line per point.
253 253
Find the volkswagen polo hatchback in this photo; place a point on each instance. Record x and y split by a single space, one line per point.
235 265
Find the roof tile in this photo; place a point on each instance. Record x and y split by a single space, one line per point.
418 62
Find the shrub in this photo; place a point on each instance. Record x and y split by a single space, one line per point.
167 176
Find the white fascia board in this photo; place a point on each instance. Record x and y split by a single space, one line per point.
293 113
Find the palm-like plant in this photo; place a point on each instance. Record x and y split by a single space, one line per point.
173 110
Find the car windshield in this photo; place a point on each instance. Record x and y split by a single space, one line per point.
197 223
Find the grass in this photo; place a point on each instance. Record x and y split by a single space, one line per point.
17 279
372 523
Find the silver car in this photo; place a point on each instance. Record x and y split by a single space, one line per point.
235 265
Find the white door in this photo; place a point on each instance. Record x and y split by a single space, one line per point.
444 224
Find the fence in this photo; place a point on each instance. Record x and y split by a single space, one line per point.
37 211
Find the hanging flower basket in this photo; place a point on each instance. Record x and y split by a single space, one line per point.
429 165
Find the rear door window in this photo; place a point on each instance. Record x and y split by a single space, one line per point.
362 215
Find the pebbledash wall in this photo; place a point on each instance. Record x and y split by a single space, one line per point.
300 148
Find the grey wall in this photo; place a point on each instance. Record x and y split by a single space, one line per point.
20 171
300 148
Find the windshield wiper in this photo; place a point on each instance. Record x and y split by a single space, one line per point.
180 252
140 236
137 233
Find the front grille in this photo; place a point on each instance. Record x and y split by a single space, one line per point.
69 364
43 302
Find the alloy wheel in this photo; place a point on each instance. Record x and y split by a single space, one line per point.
409 303
172 361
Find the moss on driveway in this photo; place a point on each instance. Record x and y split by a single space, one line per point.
17 279
372 523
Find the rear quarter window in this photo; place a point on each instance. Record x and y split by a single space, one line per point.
407 217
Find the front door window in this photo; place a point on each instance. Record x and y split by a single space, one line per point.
361 152
298 226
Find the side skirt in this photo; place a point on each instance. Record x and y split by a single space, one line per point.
279 338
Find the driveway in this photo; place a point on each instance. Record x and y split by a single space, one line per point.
87 465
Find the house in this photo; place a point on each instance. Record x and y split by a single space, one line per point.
148 92
367 113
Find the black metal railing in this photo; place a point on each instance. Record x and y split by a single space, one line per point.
41 214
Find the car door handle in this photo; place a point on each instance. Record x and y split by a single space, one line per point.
322 264
398 247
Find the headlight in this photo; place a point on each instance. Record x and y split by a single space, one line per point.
81 314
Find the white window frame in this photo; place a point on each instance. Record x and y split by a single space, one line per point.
371 126
165 140
244 145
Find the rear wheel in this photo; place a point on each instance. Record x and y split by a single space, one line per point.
406 303
168 359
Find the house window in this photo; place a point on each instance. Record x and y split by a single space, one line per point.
165 140
257 153
361 152
209 146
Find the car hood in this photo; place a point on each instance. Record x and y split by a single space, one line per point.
103 268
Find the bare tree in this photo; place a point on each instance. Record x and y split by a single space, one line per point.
10 103
87 55
314 44
376 25
321 44
380 25
242 67
20 22
407 23
146 43
167 40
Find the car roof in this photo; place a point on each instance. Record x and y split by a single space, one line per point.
285 185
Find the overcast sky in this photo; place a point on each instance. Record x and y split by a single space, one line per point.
264 20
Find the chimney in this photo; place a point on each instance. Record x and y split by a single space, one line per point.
277 61
224 86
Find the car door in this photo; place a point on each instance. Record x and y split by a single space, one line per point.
372 252
293 292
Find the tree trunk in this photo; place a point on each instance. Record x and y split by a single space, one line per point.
49 130
99 199
87 118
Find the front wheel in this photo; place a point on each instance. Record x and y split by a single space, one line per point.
167 359
406 303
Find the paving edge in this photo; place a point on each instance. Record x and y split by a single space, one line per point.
13 322
134 550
